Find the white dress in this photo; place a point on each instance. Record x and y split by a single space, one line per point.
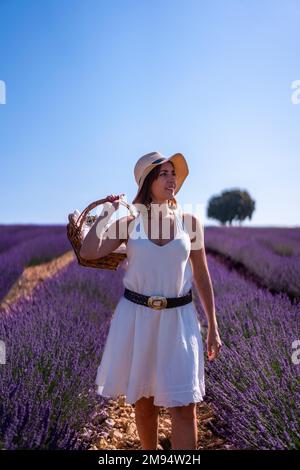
151 352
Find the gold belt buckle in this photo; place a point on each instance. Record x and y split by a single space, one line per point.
157 302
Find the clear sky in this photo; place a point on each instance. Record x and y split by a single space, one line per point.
92 85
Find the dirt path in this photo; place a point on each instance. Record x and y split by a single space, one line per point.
32 276
114 428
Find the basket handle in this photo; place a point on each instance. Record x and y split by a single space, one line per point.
94 204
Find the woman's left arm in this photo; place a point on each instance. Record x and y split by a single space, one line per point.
204 287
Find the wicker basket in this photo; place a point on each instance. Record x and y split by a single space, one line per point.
74 233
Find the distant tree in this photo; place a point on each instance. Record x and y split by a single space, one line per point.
231 205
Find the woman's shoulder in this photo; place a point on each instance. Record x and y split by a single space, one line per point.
127 218
193 225
130 218
194 219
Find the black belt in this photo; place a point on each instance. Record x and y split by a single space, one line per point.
157 301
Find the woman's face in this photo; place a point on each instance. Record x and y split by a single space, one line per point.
163 188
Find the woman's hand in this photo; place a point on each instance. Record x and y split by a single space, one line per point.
114 200
213 342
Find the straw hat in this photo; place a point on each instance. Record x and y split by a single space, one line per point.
149 161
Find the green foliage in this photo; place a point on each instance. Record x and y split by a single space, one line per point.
231 205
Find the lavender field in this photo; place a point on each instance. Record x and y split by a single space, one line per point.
22 246
271 254
254 386
54 343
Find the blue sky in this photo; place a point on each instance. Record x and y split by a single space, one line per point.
93 85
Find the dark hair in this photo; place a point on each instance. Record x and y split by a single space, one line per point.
144 195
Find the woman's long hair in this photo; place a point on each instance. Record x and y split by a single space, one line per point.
144 195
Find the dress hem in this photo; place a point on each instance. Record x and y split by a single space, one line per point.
159 400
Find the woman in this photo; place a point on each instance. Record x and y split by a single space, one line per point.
154 353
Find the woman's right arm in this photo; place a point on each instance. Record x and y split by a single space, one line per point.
101 241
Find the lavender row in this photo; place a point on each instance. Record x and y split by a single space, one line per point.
35 250
12 235
54 344
272 255
254 384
